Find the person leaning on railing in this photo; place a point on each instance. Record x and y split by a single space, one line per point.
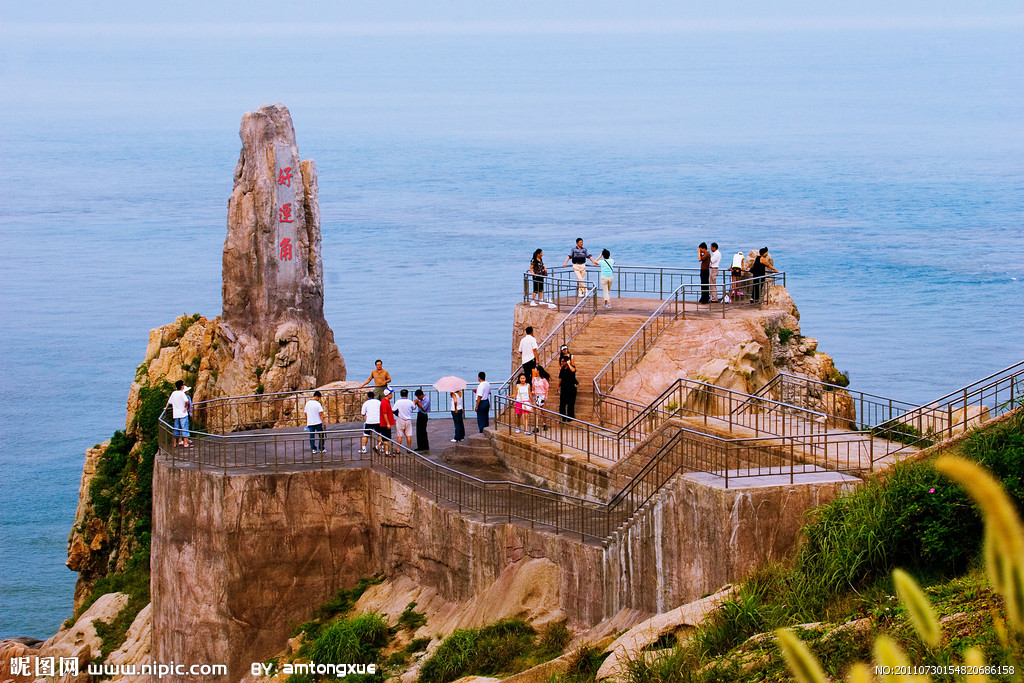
380 378
760 265
579 255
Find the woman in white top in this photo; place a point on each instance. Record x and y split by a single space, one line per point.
523 405
458 417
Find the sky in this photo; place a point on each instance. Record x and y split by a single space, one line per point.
472 15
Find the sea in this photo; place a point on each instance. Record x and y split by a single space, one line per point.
882 166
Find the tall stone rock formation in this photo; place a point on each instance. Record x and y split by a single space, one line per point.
273 291
271 337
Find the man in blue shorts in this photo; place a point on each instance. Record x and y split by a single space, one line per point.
180 405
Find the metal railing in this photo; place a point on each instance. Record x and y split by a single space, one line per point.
505 501
547 425
496 501
678 449
684 398
845 407
658 281
555 292
958 411
285 409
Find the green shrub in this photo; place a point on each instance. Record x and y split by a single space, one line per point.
785 335
352 641
838 378
486 651
346 598
552 641
916 520
410 620
152 401
902 433
584 664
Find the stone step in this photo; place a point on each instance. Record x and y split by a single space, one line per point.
475 450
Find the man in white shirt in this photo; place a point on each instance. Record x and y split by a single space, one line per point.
483 402
180 405
371 418
315 423
716 260
404 408
528 352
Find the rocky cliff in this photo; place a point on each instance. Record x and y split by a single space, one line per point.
271 337
741 353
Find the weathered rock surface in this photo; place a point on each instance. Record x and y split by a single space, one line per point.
271 337
679 622
741 353
81 642
136 648
271 547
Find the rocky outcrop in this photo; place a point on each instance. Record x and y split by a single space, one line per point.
742 352
679 622
271 336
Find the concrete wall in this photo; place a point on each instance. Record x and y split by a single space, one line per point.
541 465
239 560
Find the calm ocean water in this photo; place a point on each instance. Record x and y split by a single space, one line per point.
883 168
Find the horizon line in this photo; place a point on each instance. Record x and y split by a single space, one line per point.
509 28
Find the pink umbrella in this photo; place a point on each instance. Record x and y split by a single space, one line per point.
450 383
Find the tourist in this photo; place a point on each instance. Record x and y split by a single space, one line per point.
607 275
705 272
716 260
540 384
567 383
371 418
579 255
387 418
483 402
315 423
737 275
380 378
522 403
458 417
181 407
528 351
404 408
422 404
539 272
757 270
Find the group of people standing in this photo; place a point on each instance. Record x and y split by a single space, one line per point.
578 256
531 387
755 266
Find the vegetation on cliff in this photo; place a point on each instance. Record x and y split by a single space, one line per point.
110 545
839 594
501 649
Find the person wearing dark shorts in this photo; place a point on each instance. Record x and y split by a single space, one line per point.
539 272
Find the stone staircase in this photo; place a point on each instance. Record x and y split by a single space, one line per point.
592 348
477 449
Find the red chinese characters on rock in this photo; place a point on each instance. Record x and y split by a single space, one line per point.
284 176
284 213
286 249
